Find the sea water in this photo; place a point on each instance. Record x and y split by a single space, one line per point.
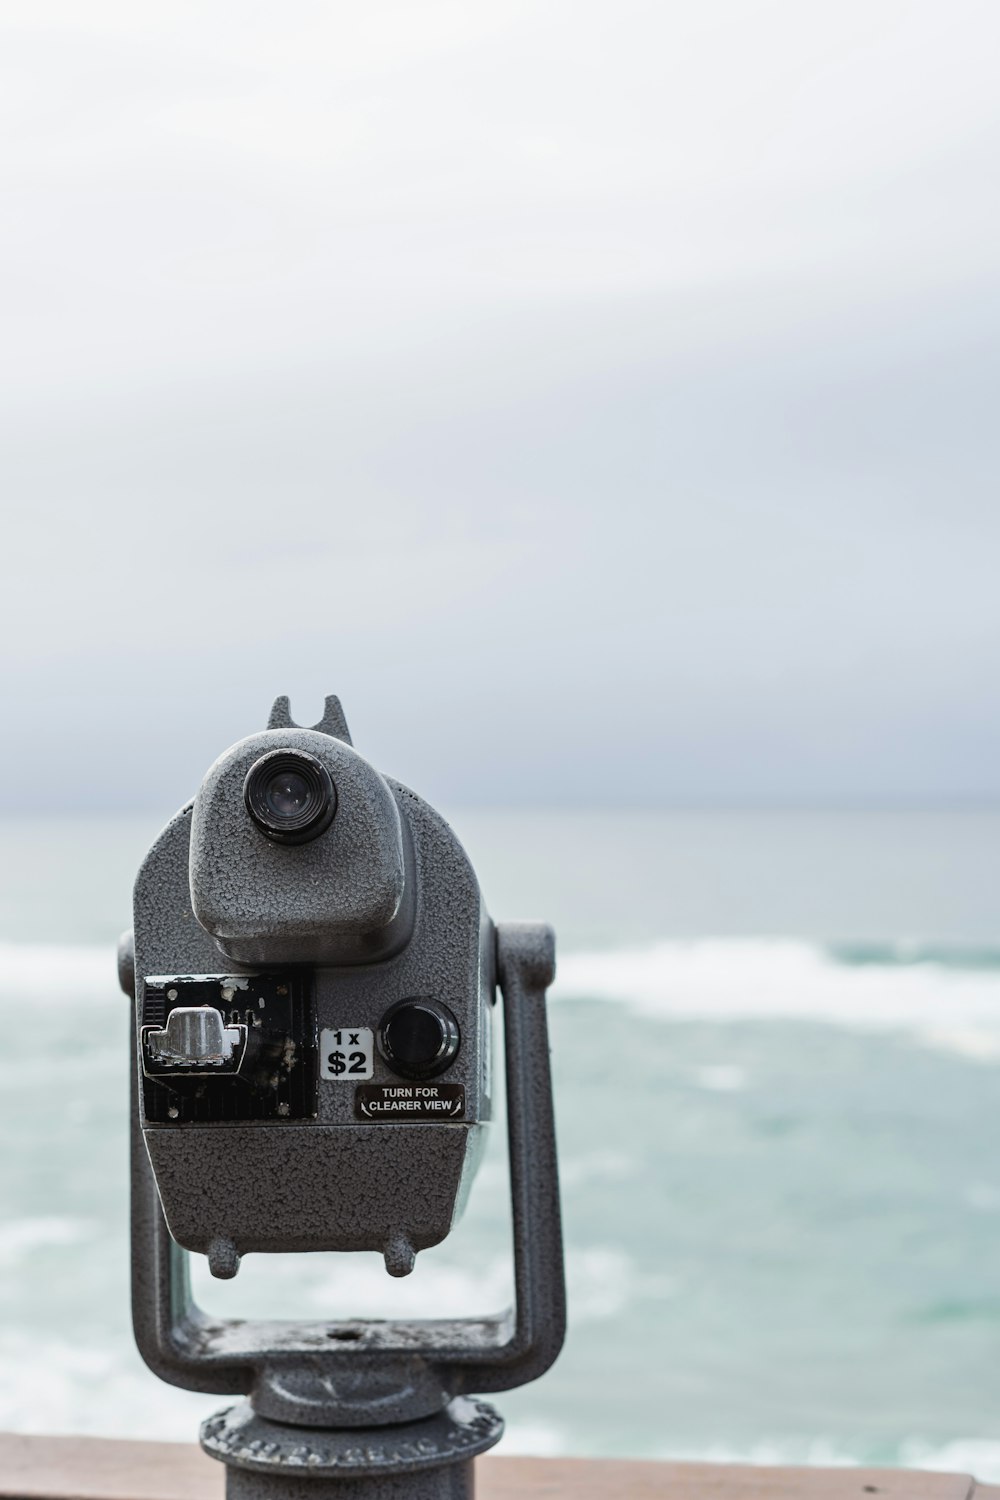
776 1048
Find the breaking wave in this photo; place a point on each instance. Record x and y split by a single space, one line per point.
950 999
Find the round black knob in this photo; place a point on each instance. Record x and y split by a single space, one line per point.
418 1038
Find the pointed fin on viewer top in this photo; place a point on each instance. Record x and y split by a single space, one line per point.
333 721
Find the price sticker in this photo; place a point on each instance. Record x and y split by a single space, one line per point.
347 1054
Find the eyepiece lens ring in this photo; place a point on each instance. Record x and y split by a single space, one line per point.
290 796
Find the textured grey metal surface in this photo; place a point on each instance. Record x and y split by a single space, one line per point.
316 1184
333 720
245 1440
339 899
295 1204
185 1348
453 1482
330 1182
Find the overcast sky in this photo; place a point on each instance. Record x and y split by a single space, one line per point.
602 398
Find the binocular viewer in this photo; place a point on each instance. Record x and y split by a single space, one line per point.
315 975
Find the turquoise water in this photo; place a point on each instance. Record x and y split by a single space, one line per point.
777 1056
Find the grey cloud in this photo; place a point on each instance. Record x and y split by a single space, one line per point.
594 444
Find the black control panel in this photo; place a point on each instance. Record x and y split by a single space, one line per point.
217 1047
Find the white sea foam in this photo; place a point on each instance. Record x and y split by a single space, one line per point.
977 1456
51 1384
603 1280
721 1078
729 980
535 1440
357 1285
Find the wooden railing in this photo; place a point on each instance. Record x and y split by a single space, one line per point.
76 1468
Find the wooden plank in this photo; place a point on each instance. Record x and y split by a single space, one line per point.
608 1479
83 1468
80 1468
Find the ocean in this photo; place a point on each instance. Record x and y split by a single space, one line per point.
776 1047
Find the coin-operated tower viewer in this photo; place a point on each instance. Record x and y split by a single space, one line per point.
314 974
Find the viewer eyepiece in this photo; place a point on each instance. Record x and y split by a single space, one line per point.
290 795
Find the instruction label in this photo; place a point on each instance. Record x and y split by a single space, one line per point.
346 1054
409 1101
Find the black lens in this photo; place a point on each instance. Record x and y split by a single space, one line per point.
290 796
287 794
